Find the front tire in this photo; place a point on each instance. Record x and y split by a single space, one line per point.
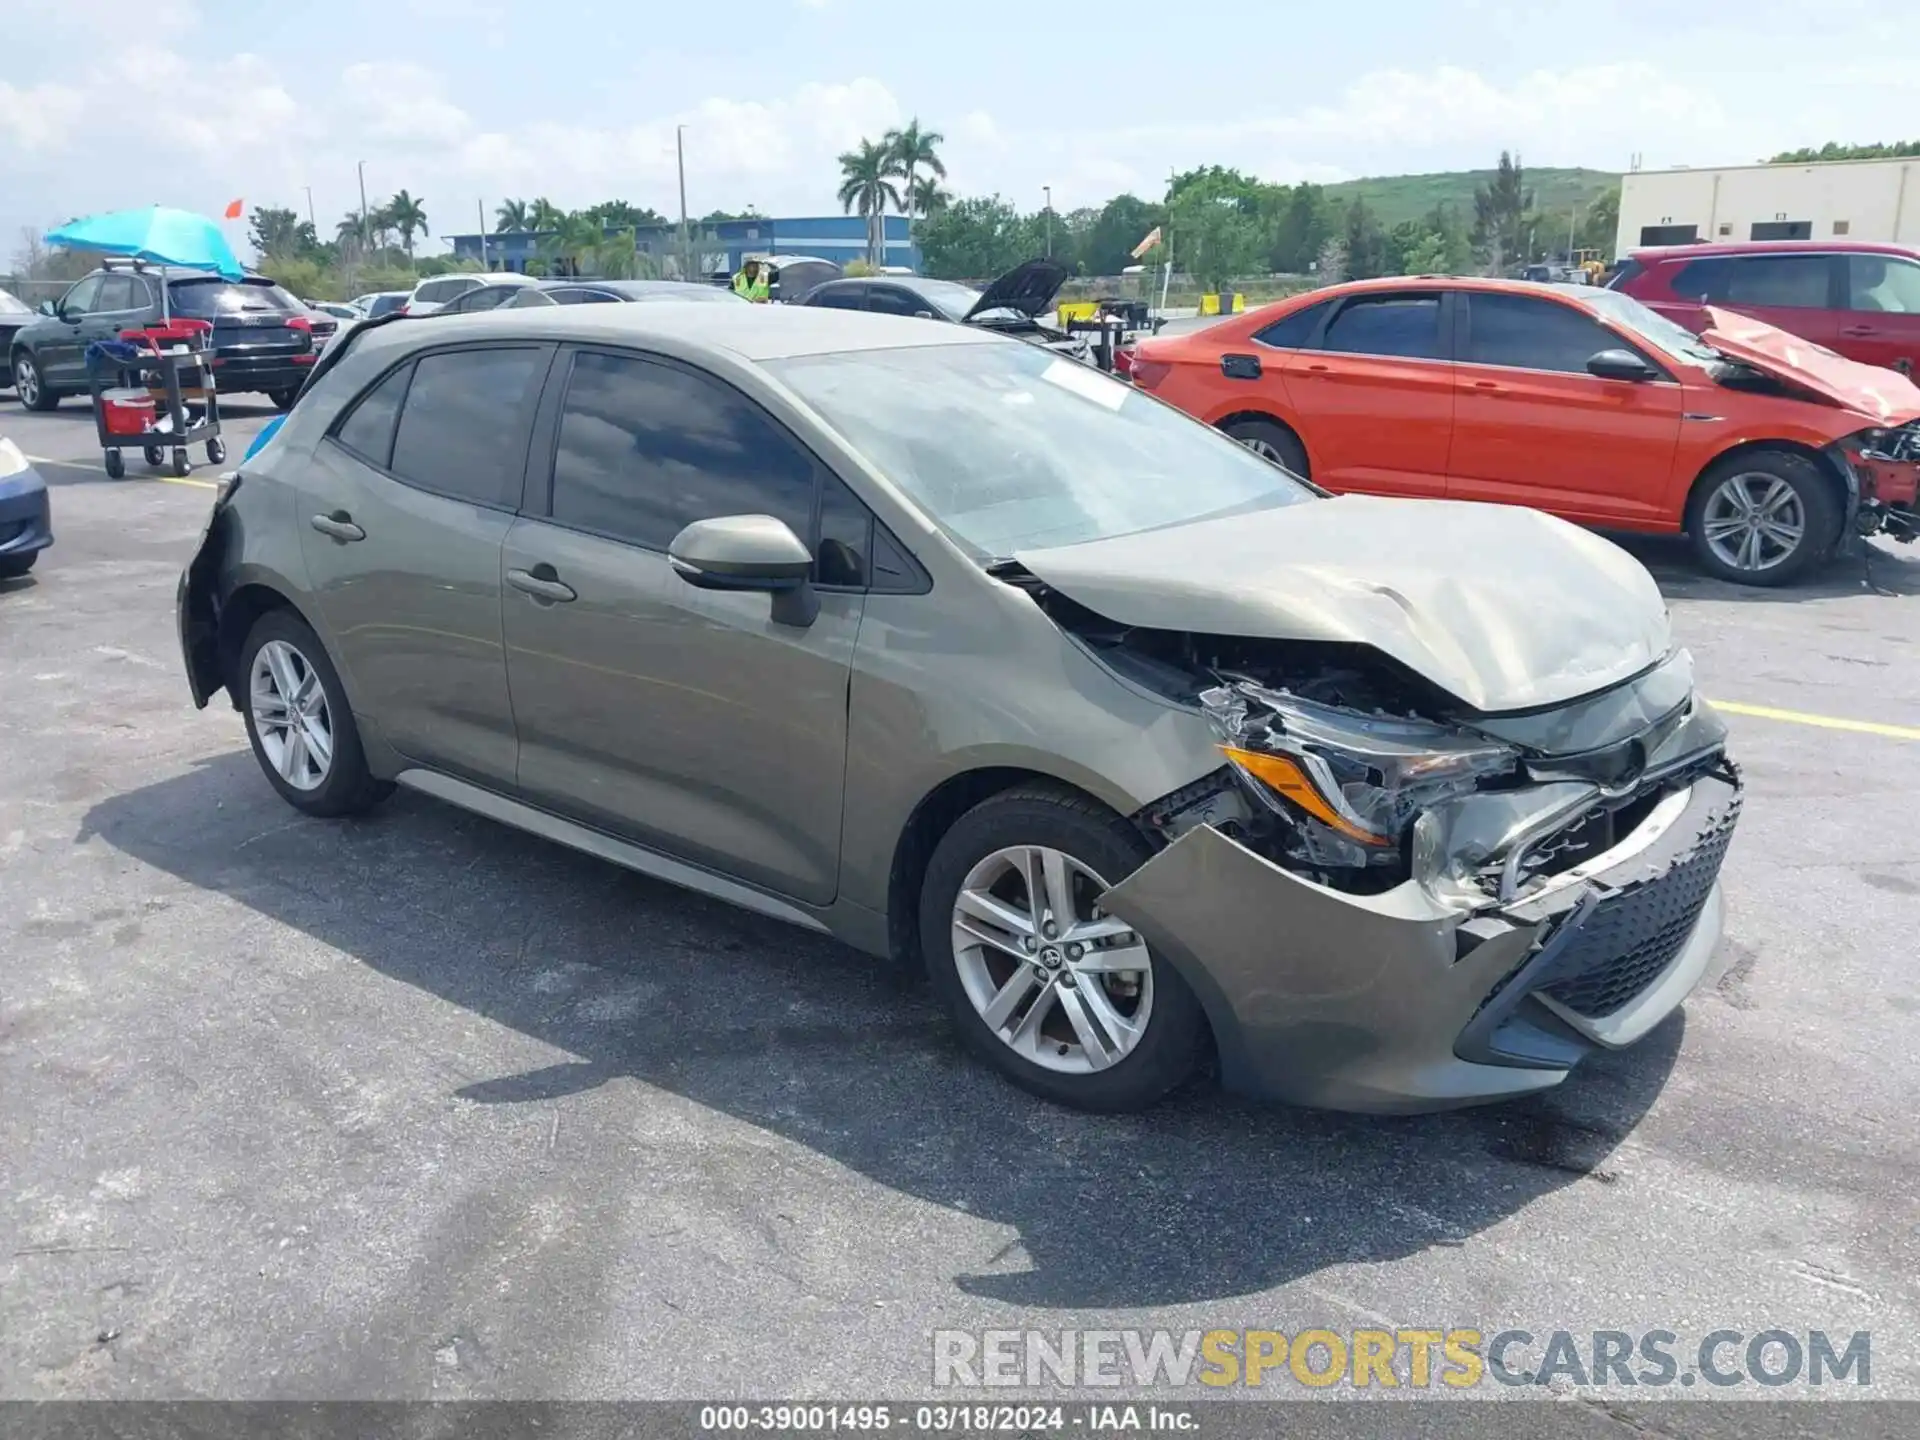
298 720
1066 1002
1763 518
30 385
14 567
1271 440
283 399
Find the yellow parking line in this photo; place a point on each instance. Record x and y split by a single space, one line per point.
1824 722
163 479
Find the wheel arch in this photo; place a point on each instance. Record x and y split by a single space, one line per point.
938 809
1845 487
1233 417
240 611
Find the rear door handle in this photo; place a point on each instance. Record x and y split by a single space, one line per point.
1493 385
338 526
543 583
1858 330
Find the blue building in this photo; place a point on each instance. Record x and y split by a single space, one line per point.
719 245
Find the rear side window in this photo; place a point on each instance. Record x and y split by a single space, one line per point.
1291 332
1533 334
116 293
528 297
438 292
463 429
579 296
1624 274
1406 326
209 299
849 297
892 300
646 449
368 428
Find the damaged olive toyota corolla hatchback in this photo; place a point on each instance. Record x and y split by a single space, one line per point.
956 649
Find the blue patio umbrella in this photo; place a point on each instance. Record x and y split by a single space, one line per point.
156 234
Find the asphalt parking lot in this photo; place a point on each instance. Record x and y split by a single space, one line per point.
422 1107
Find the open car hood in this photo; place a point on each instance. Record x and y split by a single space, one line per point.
1501 607
1881 394
1028 288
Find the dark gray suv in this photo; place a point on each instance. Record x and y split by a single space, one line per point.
963 651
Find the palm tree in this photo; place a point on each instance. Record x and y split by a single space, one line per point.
915 152
543 214
927 198
866 188
407 215
511 215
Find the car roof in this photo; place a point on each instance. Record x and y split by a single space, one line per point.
1491 284
1651 253
750 332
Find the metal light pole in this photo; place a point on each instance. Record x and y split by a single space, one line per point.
686 246
480 210
310 219
1049 193
366 232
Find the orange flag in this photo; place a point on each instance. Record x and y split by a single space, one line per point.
234 208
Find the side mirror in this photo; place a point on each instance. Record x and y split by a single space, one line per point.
749 552
923 315
49 309
1620 365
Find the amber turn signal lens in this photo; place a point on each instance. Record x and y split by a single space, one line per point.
1287 778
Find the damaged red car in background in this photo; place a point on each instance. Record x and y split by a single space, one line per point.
1768 451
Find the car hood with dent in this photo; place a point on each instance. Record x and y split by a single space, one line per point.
1501 607
1027 288
1881 394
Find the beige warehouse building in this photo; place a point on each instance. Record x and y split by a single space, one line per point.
1843 199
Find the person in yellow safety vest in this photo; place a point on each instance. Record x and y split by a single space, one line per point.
750 283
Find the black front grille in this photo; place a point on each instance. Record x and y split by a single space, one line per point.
1634 932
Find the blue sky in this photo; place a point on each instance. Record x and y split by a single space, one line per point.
469 102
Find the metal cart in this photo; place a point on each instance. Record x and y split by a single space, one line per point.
172 364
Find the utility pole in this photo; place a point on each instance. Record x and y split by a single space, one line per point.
480 210
686 245
1049 193
1573 221
310 220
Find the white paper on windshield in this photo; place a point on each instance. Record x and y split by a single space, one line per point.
1072 376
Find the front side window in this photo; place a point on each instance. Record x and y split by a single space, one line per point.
83 298
1532 334
1007 446
116 294
462 431
1884 284
892 300
847 297
645 449
1402 326
1784 281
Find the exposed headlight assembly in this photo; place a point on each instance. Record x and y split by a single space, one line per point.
1351 784
12 462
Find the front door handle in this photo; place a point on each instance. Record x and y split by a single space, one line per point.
1856 331
338 526
543 583
1493 385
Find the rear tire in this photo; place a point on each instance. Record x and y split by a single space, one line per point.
13 567
283 399
299 722
1763 518
30 385
1273 441
1023 1002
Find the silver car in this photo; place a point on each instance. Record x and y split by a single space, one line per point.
967 654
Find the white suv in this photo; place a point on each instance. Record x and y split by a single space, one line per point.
429 295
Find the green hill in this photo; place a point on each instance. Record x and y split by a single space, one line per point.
1394 198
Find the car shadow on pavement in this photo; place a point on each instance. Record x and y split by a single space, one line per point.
1887 568
1205 1197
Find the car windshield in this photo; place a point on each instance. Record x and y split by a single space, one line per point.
1661 333
1010 447
221 297
11 306
949 297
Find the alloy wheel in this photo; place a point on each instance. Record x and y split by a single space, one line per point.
1266 450
1753 522
1059 983
26 381
291 715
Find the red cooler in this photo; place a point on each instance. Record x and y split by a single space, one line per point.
127 414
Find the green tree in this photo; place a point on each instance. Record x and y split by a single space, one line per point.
543 214
1301 226
1890 150
976 239
275 232
1600 225
1216 228
1122 223
915 153
619 215
1499 214
1369 253
867 178
926 197
512 217
407 215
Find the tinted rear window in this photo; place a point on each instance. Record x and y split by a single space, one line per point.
1290 332
209 299
463 430
1399 325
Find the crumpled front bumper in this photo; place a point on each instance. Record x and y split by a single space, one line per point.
1405 1002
